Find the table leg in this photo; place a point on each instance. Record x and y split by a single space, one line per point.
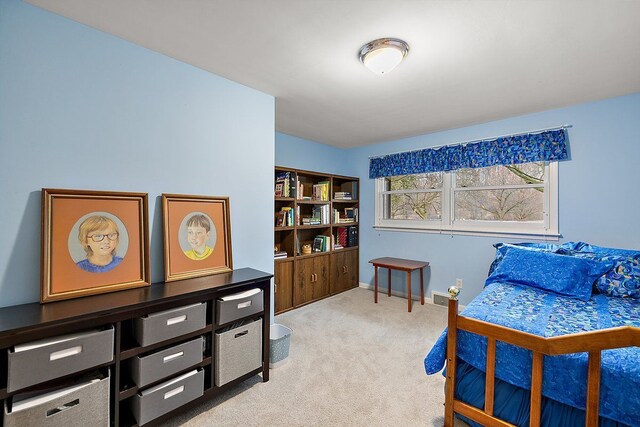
422 286
409 288
375 291
389 285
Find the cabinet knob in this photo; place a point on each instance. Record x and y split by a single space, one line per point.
275 288
344 268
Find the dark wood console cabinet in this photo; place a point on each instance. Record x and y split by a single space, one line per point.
29 322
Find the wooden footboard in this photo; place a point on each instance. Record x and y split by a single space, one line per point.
591 342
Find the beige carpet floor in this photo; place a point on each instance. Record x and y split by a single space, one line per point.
351 363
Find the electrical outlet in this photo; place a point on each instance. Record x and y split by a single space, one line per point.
459 283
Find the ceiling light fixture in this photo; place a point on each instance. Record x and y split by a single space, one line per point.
383 55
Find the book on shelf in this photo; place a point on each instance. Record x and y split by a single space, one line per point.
285 218
321 214
280 254
342 236
321 243
349 215
347 236
321 191
300 190
352 236
350 187
317 245
307 220
342 195
285 185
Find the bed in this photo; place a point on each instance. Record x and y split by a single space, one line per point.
539 346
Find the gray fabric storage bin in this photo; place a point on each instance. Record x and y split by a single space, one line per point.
83 405
55 357
165 397
164 363
233 309
238 351
167 324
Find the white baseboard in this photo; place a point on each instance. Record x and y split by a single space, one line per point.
414 297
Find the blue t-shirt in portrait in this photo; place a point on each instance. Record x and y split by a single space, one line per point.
92 268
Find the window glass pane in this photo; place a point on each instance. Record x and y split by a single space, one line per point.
419 206
526 173
423 181
525 204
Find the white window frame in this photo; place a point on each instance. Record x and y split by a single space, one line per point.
547 229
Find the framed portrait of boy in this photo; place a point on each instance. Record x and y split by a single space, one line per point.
197 236
93 242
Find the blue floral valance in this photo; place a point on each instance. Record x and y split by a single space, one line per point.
510 150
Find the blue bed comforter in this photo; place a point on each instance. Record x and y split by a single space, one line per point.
548 314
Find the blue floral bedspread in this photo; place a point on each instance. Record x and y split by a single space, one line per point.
547 314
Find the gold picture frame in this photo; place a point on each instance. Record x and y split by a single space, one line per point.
93 242
197 236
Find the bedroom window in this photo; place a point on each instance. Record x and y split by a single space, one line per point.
503 200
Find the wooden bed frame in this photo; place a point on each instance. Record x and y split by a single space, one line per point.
591 342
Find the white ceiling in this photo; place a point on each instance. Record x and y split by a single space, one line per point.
470 61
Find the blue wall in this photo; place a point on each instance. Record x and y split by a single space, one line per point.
599 200
82 109
598 194
299 153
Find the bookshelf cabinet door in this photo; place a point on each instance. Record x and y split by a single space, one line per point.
351 270
321 269
337 272
305 280
283 281
344 271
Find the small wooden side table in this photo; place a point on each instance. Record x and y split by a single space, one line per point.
403 265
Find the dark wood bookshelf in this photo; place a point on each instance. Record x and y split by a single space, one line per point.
303 278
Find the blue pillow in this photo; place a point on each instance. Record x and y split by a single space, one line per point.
623 280
564 275
501 249
550 247
585 247
566 248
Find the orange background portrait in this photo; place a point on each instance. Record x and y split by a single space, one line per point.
177 210
66 276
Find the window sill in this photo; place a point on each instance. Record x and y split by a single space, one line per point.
491 233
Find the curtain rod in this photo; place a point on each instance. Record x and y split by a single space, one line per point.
491 138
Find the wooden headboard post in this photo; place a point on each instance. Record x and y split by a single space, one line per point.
452 332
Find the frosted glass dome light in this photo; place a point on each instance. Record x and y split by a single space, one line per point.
383 55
